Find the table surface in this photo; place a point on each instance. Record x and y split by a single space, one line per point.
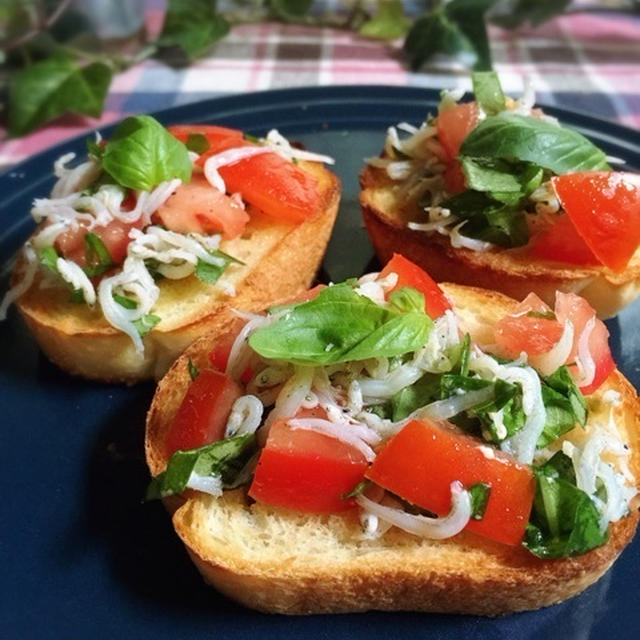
585 62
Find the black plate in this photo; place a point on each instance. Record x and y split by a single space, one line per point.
82 556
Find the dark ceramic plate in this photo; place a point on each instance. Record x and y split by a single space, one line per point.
83 557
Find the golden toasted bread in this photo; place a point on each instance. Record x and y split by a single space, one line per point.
278 560
513 271
280 260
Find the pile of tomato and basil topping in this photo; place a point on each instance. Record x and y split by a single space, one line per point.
498 173
368 396
152 203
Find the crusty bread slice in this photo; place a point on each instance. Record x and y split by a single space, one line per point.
280 258
281 561
512 271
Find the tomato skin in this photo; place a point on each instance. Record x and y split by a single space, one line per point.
453 125
604 207
422 460
518 332
454 179
562 243
203 413
199 208
213 133
571 307
306 471
411 275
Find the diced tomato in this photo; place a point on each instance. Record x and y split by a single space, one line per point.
309 294
454 125
454 180
212 133
114 235
422 460
411 275
571 307
204 411
307 471
562 243
219 356
199 208
523 330
605 210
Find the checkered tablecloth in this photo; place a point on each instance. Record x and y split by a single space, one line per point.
585 62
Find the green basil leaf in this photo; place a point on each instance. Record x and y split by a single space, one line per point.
141 154
487 174
479 494
339 325
210 273
97 255
419 394
47 89
198 143
359 489
488 91
407 299
192 26
194 372
48 257
546 315
564 520
145 324
95 149
125 302
512 136
388 23
224 458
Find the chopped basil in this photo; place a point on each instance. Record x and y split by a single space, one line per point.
194 372
407 299
48 257
545 315
479 494
125 302
77 296
145 324
141 154
564 520
417 395
357 490
224 459
97 255
198 143
338 326
249 138
210 273
95 149
488 91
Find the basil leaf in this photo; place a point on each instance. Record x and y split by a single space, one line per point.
210 273
502 225
357 490
194 372
192 26
564 520
562 382
419 394
97 255
48 257
96 150
145 324
511 136
47 89
479 494
142 153
488 91
198 143
339 325
487 174
388 23
407 299
125 302
546 315
224 458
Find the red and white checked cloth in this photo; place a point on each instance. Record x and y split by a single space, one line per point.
586 62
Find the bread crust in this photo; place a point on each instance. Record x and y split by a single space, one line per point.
80 341
277 560
511 271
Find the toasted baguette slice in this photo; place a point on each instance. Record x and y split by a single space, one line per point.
278 560
280 258
512 271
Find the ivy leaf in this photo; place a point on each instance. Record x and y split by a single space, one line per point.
469 16
389 23
515 14
290 9
192 26
54 86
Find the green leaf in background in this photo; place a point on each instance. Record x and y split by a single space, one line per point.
515 14
338 326
47 89
290 9
388 23
141 154
193 26
512 136
564 520
488 91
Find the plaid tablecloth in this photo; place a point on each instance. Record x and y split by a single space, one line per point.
585 62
